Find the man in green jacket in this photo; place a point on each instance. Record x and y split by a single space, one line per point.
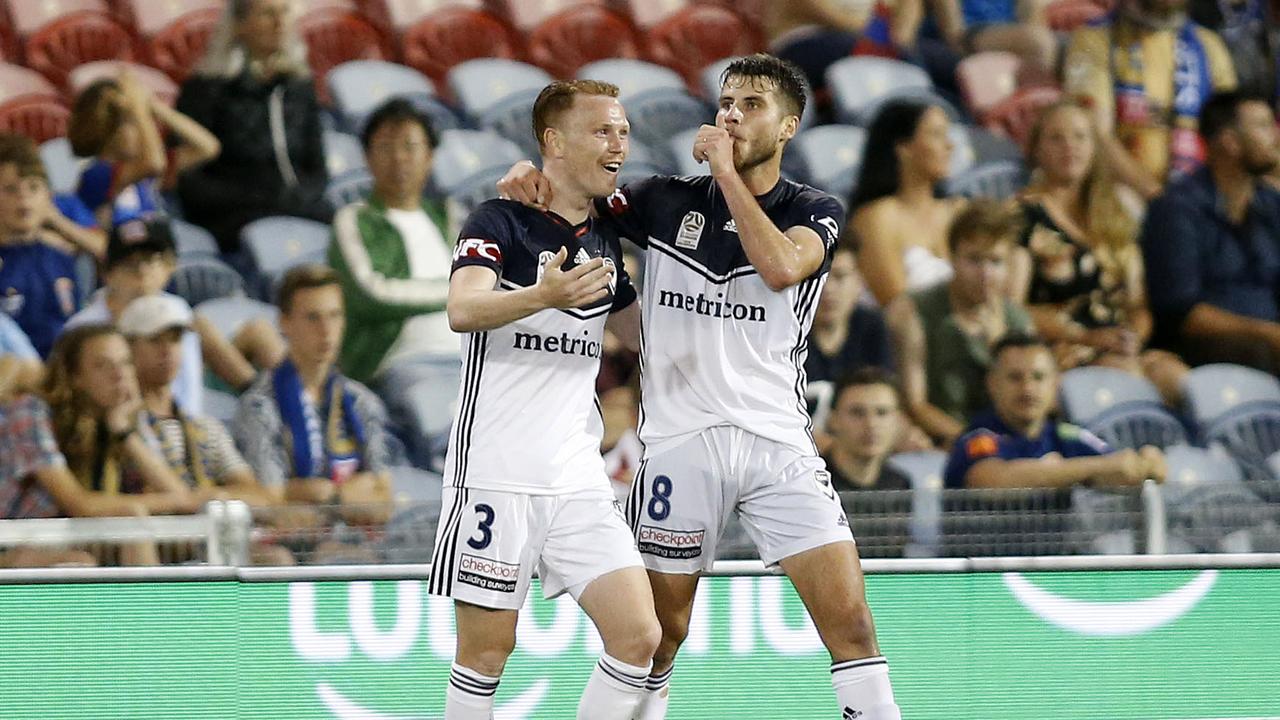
393 256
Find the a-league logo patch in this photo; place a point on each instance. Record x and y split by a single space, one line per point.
488 574
690 232
674 544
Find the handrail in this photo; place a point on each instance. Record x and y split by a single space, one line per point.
735 568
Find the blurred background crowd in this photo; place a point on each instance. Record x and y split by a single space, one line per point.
226 228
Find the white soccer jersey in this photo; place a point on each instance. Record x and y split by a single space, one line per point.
720 347
527 418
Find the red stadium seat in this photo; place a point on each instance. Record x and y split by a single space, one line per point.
38 118
583 34
394 17
19 82
986 79
1067 15
152 79
150 17
72 40
453 35
1015 116
28 16
697 36
335 34
178 47
526 15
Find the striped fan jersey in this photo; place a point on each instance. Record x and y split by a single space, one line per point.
527 418
720 347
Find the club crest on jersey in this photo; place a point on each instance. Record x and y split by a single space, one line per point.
613 274
690 231
544 257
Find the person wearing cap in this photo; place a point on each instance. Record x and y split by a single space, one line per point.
141 257
312 435
198 448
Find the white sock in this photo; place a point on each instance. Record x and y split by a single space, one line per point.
653 705
614 690
863 690
470 695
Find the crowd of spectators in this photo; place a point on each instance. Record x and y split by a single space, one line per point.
1147 239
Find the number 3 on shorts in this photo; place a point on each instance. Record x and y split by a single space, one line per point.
660 503
485 512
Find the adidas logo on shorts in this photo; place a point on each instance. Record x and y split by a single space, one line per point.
850 714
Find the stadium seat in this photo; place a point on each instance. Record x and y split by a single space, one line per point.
925 470
358 87
348 187
38 118
963 155
585 33
690 39
987 78
709 90
1123 409
643 162
468 164
657 104
681 149
229 314
20 82
335 34
498 95
159 84
275 244
452 35
1015 116
342 153
178 43
198 279
192 240
857 83
1236 407
61 165
990 147
1209 505
828 157
998 180
1064 16
75 39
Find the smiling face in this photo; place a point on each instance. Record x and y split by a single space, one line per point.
755 115
591 139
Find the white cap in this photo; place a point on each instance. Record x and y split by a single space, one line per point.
149 316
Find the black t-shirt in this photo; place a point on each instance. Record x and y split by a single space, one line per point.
867 345
889 479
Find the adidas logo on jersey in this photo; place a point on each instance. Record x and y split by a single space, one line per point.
581 257
731 226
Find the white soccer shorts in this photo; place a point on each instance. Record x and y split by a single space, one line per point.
489 542
681 500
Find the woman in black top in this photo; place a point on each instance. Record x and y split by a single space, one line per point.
253 91
1080 268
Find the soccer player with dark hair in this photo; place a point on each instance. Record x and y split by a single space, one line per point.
735 264
525 485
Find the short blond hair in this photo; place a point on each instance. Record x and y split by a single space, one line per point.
558 97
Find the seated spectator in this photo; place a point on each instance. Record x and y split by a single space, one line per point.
311 435
393 261
865 422
814 34
253 91
1079 266
38 245
1212 244
140 261
1145 73
943 337
898 224
117 125
92 394
1019 445
1013 26
847 334
198 449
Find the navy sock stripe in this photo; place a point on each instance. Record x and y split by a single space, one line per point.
470 691
659 680
473 680
622 677
852 664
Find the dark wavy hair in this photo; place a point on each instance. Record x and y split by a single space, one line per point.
893 125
